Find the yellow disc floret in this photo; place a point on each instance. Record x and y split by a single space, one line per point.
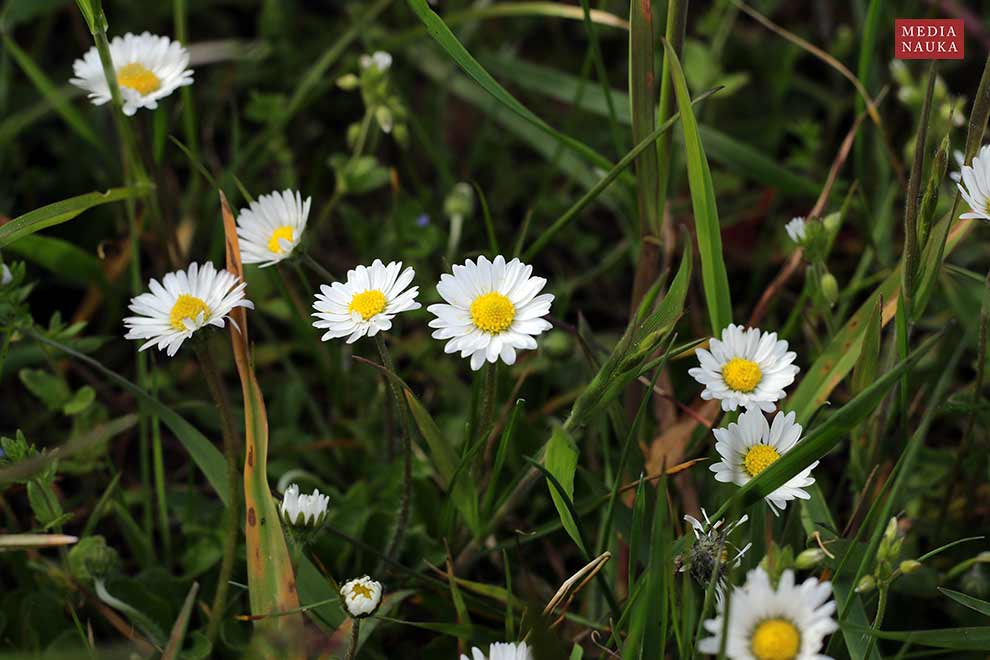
759 458
275 244
776 639
492 313
138 77
361 590
742 375
367 304
186 307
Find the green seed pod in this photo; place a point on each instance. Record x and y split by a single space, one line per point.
867 584
909 566
809 559
830 288
459 201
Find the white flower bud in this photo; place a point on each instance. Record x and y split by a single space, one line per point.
304 510
361 596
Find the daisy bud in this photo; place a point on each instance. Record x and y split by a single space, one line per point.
303 510
348 82
830 288
361 596
92 559
5 275
866 585
809 559
909 566
460 201
832 223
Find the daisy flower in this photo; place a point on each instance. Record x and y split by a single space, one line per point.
751 445
270 228
184 302
148 68
361 596
501 651
303 510
975 185
492 310
786 623
796 230
747 367
711 547
366 303
379 60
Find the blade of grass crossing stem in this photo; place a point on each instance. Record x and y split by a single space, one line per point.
500 454
53 95
63 211
713 274
658 578
955 639
271 580
560 459
455 49
817 443
178 635
206 457
676 24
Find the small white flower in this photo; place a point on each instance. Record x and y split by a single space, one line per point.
366 303
184 302
361 596
304 510
790 621
270 228
492 310
501 651
6 277
750 446
960 158
148 68
747 367
975 185
796 230
380 60
712 547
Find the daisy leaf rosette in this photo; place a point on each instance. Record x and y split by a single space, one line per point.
492 309
148 68
767 623
501 651
647 333
366 303
747 367
751 445
182 303
272 226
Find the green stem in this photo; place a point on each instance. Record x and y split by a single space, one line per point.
878 620
159 467
227 430
489 394
402 521
355 634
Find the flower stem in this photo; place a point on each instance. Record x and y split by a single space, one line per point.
355 633
489 394
219 393
878 620
395 543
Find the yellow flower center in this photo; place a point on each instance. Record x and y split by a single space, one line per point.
776 639
759 458
742 375
136 76
274 243
368 303
492 313
361 590
186 307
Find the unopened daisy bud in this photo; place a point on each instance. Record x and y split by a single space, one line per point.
867 584
361 596
379 61
459 201
832 222
886 549
348 81
5 275
797 230
809 559
92 559
304 510
384 118
830 288
909 566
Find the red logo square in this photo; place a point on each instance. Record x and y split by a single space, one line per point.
929 39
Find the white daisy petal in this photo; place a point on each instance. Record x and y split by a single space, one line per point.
302 510
501 651
181 304
973 181
747 367
148 69
361 596
271 227
367 302
796 230
790 621
492 310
